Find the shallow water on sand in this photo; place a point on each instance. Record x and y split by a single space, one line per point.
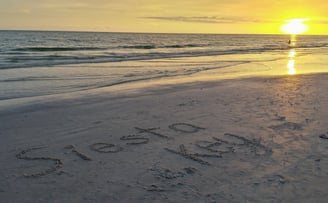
49 63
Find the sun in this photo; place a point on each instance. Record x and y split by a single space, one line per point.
295 26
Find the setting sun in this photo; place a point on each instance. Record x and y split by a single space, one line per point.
295 26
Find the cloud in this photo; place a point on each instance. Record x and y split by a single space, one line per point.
209 19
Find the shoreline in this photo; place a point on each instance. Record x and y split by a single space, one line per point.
142 87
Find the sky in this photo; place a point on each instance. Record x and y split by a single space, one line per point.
162 16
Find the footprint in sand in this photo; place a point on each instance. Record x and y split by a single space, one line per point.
166 179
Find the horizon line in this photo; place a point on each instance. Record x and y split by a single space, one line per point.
130 32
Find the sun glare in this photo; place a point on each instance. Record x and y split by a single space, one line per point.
295 26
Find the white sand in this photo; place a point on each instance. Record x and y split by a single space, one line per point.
245 140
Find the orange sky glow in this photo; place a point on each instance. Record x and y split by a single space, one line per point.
169 16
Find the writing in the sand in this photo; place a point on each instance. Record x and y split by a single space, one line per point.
214 148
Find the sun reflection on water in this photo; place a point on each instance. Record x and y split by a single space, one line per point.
291 62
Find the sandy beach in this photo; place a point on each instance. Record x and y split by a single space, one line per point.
153 101
258 139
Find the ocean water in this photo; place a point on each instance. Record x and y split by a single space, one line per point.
45 63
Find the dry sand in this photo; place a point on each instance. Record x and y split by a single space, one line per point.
242 140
